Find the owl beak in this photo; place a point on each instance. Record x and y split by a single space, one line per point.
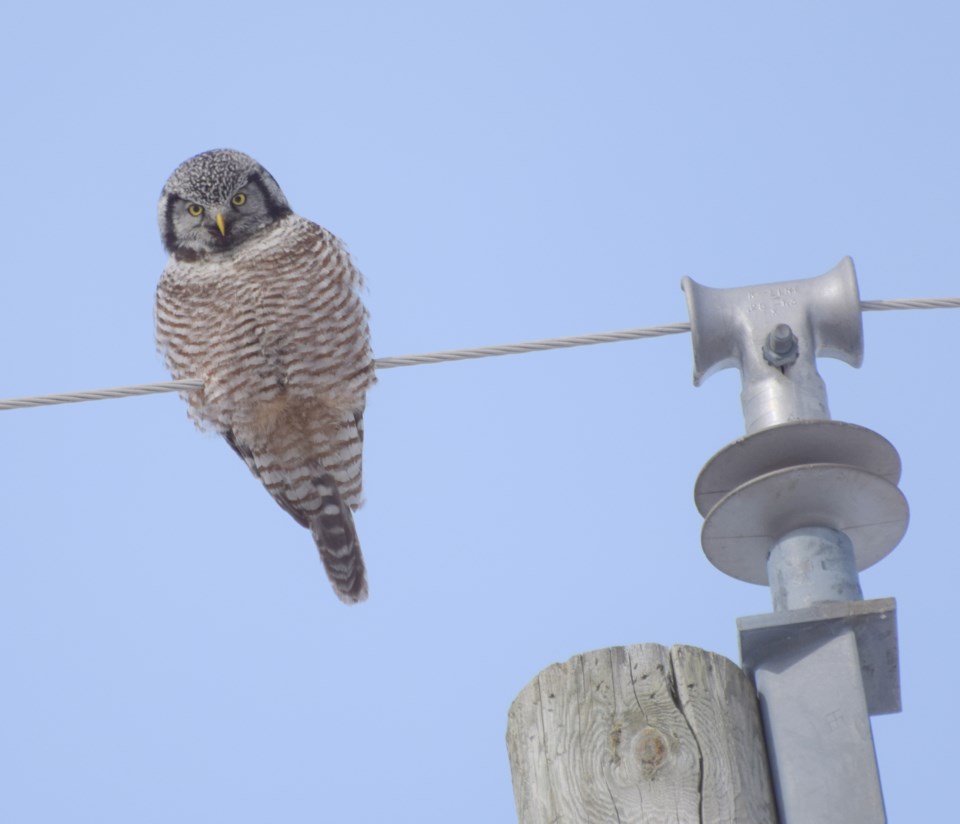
221 224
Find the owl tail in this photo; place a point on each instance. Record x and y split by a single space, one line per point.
336 538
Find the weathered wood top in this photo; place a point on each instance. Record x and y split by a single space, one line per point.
639 734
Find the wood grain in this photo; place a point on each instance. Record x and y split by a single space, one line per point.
639 734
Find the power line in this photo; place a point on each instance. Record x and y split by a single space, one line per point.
99 394
532 346
380 363
909 303
452 355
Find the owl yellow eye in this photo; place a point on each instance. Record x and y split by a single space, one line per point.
238 199
195 209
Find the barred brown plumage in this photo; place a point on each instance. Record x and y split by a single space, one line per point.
264 307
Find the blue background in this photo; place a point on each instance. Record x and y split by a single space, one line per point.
502 171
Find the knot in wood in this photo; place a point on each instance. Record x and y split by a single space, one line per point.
650 750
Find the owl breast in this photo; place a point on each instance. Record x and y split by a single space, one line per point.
274 328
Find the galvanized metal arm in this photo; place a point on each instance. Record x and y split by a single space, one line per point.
802 503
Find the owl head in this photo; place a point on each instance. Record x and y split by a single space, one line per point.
215 201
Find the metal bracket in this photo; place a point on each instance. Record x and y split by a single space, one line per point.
875 623
732 327
802 503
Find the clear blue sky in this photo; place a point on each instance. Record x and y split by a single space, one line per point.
501 171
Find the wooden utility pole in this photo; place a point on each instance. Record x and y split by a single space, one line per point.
640 735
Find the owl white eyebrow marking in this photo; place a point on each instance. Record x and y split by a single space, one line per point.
451 355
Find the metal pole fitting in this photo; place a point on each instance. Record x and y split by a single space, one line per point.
812 566
802 503
732 328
